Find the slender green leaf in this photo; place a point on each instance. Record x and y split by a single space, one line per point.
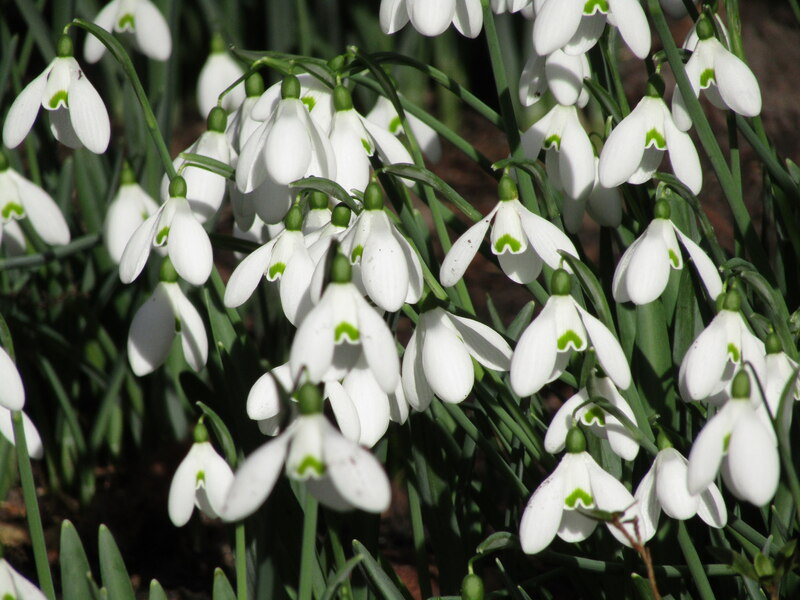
221 432
156 591
423 175
376 575
112 567
222 587
326 186
75 570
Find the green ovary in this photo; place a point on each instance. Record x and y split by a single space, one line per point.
581 496
593 6
346 329
309 462
654 136
60 97
513 244
277 269
707 77
568 337
11 209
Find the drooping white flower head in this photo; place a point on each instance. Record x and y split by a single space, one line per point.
780 378
579 408
338 472
643 271
316 93
563 327
241 123
710 362
740 441
570 155
521 240
576 25
130 208
560 73
432 18
139 18
634 149
174 224
12 392
14 586
21 198
664 487
78 117
561 502
202 479
726 80
438 358
604 206
218 73
384 115
164 315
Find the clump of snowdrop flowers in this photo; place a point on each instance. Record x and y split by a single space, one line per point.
739 441
12 398
130 207
578 484
521 240
202 479
21 198
726 80
438 358
664 487
139 18
164 315
14 586
78 117
219 72
643 271
563 327
338 472
432 18
175 225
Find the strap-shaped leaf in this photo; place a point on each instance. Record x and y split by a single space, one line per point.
114 574
75 570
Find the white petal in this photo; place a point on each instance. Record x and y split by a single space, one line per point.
42 210
547 239
649 508
611 495
483 343
648 268
468 18
62 129
623 150
218 478
576 164
251 170
182 489
137 250
533 83
418 393
390 149
619 437
707 451
542 515
313 343
753 462
370 401
393 15
736 84
705 360
25 589
379 345
555 24
294 286
706 269
565 76
683 157
126 212
673 494
352 165
619 284
462 252
523 267
575 526
288 147
152 32
247 275
264 400
344 410
151 333
556 435
189 247
23 111
88 115
712 507
12 393
448 367
432 18
194 339
609 352
383 267
535 354
218 72
93 48
632 24
588 33
415 277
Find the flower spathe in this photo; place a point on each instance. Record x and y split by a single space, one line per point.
432 18
78 116
141 19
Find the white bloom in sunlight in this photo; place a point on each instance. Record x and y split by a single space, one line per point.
570 155
634 149
438 358
130 208
563 327
664 487
726 80
78 117
710 362
141 19
202 479
14 586
174 224
781 377
32 438
287 147
21 199
521 240
389 267
578 484
643 271
315 94
432 18
218 73
164 315
559 72
740 441
604 205
338 472
338 327
385 116
576 25
595 418
12 393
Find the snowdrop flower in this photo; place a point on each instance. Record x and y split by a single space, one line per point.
577 483
141 19
664 487
559 72
390 269
512 6
570 155
32 438
521 240
727 81
634 149
563 327
287 147
14 586
643 271
175 225
603 204
740 440
241 123
708 364
202 479
218 73
315 94
78 117
438 358
385 116
575 25
337 326
21 198
130 208
432 18
338 472
780 377
593 417
12 392
166 313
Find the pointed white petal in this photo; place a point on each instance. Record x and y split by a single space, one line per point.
555 24
576 160
370 401
432 18
180 503
23 111
707 451
151 333
137 250
589 31
417 391
247 275
448 367
706 269
93 48
313 343
379 345
352 164
609 352
344 410
632 24
535 354
736 84
556 435
542 515
547 239
194 340
649 508
218 478
683 157
648 268
565 76
88 115
12 393
415 277
483 343
619 284
288 147
393 16
189 247
673 494
462 252
712 507
705 360
152 32
383 267
263 400
623 150
468 18
612 496
294 286
753 462
43 212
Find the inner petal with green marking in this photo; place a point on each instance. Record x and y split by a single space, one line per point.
309 101
60 98
395 124
595 414
162 236
579 497
506 241
593 6
345 332
674 259
553 140
707 77
567 339
277 269
310 463
126 23
734 353
356 253
367 146
655 138
200 478
12 210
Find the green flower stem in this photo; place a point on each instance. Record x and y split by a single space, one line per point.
696 567
740 214
303 27
346 592
241 562
308 553
418 533
32 508
507 106
116 49
608 47
32 261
